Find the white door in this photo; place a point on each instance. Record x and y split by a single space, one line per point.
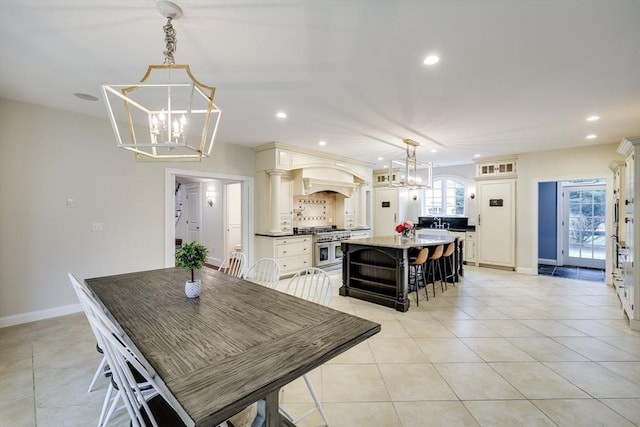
193 213
233 202
389 209
584 234
496 224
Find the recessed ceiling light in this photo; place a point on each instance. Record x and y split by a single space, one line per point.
85 96
477 155
593 118
281 115
380 158
592 136
386 166
322 142
431 59
434 150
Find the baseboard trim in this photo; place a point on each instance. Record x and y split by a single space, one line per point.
18 319
546 261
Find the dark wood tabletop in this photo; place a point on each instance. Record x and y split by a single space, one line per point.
238 343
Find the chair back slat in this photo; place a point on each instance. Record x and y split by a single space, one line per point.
312 284
265 272
233 265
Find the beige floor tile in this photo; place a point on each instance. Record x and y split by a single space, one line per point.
594 327
425 328
476 381
51 382
10 363
417 381
483 312
496 350
627 370
468 328
353 383
372 414
18 413
596 350
628 408
446 350
74 416
596 380
536 381
16 386
546 349
396 350
434 414
553 328
373 312
65 355
297 411
358 354
298 392
448 313
510 328
15 339
510 413
390 328
630 344
580 412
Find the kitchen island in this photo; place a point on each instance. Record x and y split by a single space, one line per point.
376 269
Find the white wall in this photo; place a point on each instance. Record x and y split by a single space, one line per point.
48 156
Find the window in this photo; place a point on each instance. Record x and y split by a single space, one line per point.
446 197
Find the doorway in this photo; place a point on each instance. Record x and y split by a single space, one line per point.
584 235
572 226
213 212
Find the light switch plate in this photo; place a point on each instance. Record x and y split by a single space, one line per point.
97 226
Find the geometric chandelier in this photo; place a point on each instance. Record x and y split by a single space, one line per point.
409 172
169 115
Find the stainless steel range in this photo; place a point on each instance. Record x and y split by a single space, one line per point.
327 253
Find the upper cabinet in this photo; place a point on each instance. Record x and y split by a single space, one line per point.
496 167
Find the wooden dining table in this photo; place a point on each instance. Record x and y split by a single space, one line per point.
238 343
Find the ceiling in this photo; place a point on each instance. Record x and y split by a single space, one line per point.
513 76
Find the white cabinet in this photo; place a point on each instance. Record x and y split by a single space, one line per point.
496 230
390 208
346 211
286 204
293 253
470 248
629 289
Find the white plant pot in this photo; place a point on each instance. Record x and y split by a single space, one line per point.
192 289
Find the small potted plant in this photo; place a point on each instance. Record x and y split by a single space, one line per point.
192 256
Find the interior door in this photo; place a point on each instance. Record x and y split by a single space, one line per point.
193 213
584 235
234 216
388 210
496 222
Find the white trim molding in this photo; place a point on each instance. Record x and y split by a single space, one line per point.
34 316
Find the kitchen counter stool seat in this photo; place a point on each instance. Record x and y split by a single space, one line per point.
434 263
417 273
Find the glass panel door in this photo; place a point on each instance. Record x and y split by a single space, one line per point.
584 226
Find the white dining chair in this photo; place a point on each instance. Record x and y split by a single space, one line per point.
265 272
233 264
312 284
132 378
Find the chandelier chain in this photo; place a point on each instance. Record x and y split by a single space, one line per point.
170 42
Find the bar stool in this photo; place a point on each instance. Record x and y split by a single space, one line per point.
417 268
434 261
448 259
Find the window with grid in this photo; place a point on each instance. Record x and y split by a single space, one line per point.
445 197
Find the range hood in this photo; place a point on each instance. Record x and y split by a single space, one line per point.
315 185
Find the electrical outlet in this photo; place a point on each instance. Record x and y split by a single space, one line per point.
71 203
97 226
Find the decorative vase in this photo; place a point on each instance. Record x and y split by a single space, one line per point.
192 289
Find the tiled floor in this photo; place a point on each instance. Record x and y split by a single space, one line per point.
500 349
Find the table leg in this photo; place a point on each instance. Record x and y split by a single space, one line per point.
272 415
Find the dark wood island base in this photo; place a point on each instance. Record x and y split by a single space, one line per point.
376 269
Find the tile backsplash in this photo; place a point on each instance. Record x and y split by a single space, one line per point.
313 210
